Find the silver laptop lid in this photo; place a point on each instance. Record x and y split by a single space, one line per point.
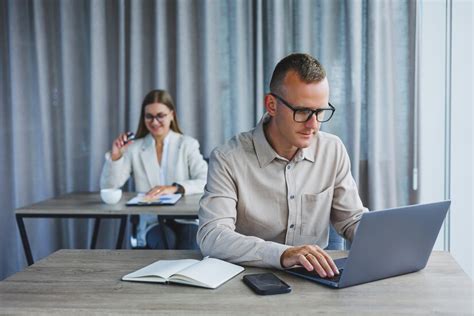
393 242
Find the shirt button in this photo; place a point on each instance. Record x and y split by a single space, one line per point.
288 167
292 197
292 225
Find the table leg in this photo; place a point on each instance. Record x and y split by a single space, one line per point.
24 239
123 224
95 233
134 219
161 222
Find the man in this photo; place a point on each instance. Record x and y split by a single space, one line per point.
272 192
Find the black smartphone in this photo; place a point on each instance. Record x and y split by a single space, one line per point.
266 284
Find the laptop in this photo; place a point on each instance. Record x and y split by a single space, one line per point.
387 243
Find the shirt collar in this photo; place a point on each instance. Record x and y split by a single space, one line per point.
309 153
266 153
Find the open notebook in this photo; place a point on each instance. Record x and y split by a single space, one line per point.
209 272
167 199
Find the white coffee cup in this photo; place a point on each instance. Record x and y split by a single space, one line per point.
111 196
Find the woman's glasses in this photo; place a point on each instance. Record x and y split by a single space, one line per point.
160 117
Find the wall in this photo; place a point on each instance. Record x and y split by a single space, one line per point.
462 102
445 124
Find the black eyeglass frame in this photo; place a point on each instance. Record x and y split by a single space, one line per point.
159 117
313 112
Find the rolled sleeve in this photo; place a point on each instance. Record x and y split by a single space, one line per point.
347 207
217 217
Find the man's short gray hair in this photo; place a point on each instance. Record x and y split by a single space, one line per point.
308 68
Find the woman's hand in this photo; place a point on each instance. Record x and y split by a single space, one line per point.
160 190
119 144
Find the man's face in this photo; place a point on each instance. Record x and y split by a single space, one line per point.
293 135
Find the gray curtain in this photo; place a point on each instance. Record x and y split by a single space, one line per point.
73 74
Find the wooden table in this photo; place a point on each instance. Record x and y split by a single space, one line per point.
89 205
88 282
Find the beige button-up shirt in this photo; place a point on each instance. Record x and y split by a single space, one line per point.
257 204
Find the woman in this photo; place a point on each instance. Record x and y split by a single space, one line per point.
162 161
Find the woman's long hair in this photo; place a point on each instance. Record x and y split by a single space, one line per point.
157 96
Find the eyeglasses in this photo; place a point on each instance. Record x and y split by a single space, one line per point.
304 115
160 117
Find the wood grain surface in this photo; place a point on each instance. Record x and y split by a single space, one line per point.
90 203
88 281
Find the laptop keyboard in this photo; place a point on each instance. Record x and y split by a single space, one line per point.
336 277
313 274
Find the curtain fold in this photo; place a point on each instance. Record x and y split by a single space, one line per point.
73 75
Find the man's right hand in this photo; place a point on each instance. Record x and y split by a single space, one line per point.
118 146
312 257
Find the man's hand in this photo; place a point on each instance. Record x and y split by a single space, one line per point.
312 258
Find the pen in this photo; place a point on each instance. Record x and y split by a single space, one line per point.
130 137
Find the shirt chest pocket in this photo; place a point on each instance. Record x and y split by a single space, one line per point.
315 213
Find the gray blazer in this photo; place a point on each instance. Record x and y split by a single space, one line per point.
186 165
